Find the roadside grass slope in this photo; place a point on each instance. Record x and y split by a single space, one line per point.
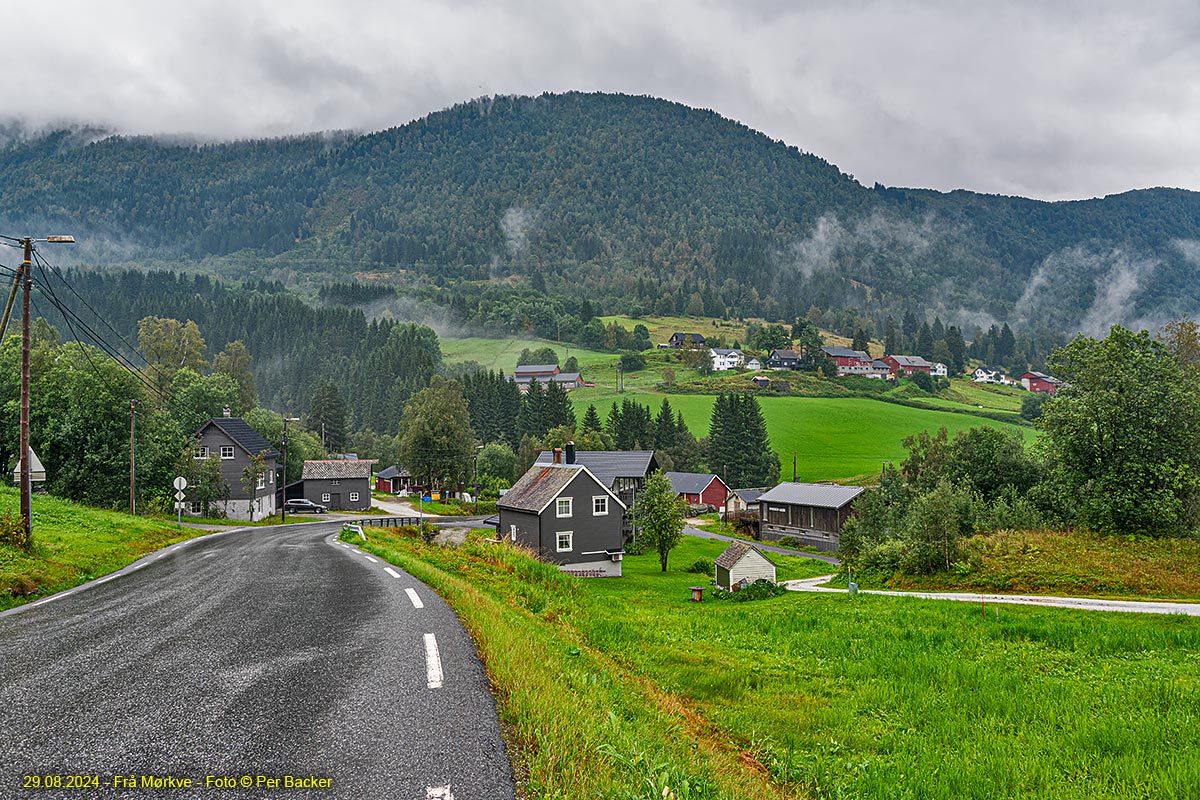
619 688
1067 564
73 544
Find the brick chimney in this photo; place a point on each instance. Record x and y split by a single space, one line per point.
558 455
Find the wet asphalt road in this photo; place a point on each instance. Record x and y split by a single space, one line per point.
268 652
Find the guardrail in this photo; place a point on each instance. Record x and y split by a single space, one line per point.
387 522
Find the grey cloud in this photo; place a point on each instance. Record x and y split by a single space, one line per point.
1070 99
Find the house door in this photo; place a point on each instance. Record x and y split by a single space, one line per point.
335 500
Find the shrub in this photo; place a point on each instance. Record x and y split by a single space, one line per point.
761 589
12 530
704 566
789 541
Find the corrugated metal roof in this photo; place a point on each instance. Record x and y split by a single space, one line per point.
911 361
246 437
811 494
833 351
336 470
689 482
608 465
393 472
533 369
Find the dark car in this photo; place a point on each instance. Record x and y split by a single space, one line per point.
300 505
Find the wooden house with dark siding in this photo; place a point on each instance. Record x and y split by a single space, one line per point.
338 484
235 443
812 513
567 516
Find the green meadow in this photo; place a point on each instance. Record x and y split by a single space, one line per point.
621 688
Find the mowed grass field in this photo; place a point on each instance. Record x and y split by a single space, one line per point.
833 439
621 687
843 439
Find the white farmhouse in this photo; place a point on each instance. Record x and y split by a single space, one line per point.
724 359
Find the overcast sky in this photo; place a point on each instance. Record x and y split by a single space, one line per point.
1050 100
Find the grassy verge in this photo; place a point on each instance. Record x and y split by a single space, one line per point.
1065 564
816 696
456 509
73 544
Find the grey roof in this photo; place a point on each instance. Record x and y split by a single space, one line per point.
880 364
784 354
536 368
393 472
696 337
811 494
748 496
1043 376
690 482
562 377
911 361
735 552
608 465
246 437
834 351
336 469
538 487
726 351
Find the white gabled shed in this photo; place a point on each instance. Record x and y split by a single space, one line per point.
742 562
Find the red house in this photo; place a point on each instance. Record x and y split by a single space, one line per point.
845 357
1040 382
698 489
907 365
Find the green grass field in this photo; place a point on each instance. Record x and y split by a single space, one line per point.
617 688
74 544
502 354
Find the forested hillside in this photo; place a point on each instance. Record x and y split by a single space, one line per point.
636 203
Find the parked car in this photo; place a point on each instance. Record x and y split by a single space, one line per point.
300 505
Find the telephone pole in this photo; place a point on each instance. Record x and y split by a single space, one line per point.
23 452
132 456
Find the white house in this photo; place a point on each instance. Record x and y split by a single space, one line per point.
724 359
740 563
989 375
940 370
754 365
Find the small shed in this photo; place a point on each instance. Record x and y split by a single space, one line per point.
742 562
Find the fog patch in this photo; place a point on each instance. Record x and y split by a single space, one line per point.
1107 284
515 225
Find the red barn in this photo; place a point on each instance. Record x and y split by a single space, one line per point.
698 489
907 365
1040 382
845 357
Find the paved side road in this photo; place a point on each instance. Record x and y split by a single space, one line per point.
1081 603
770 548
270 652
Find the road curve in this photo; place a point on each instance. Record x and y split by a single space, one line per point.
256 654
1078 603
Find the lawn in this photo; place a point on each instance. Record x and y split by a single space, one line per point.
844 439
502 354
74 544
619 687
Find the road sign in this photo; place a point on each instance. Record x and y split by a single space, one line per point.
180 483
180 495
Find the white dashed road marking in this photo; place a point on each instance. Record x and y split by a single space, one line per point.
412 595
368 558
391 572
433 662
439 793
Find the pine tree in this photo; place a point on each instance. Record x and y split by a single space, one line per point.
591 420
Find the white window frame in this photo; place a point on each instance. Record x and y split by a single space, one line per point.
195 507
262 481
335 482
512 532
597 501
271 475
325 497
231 451
558 541
200 453
558 507
354 497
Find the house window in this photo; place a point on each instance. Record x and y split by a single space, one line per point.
563 508
354 497
325 497
262 481
512 532
599 506
201 452
564 541
271 475
195 507
335 482
226 451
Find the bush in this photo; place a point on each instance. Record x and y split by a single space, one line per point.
12 530
761 589
789 541
704 566
632 362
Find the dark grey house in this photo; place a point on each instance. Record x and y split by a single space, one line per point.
784 359
624 472
681 339
235 443
568 516
338 484
813 513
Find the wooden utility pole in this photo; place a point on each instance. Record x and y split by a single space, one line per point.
12 296
132 456
26 485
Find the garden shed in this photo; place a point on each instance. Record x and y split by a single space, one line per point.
742 562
